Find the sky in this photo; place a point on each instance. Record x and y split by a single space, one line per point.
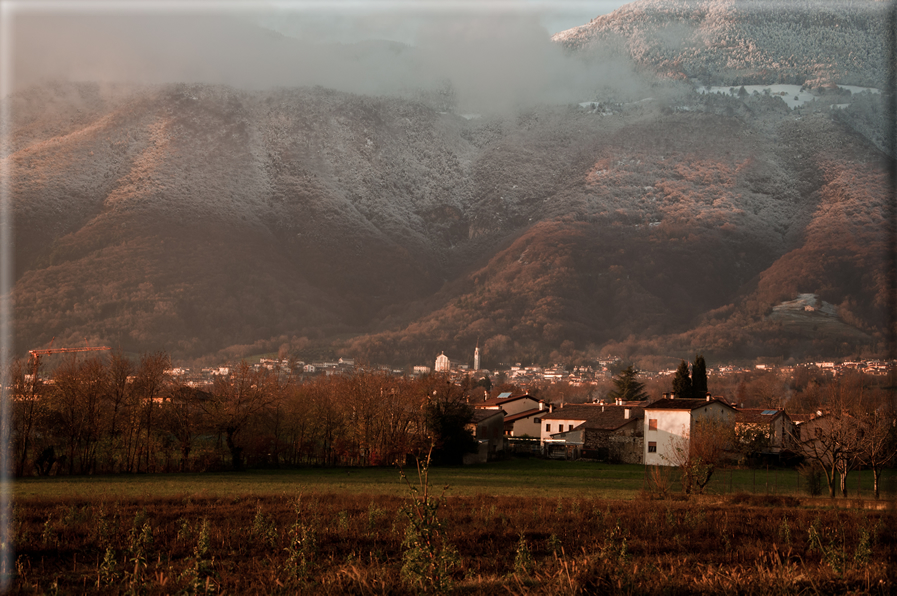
492 52
355 20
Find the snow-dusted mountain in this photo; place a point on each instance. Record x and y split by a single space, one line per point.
208 220
735 42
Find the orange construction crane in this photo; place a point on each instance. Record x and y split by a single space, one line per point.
45 351
36 354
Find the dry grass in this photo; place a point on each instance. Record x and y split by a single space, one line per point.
578 546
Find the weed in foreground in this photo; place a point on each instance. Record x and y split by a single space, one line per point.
428 559
301 548
264 528
524 564
140 540
106 573
200 575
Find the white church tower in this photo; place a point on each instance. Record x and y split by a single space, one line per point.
476 358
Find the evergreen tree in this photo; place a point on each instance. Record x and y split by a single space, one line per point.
682 387
699 377
626 387
447 418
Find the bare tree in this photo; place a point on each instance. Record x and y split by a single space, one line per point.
330 416
182 418
75 410
698 452
235 402
295 411
28 406
115 404
149 385
832 439
878 444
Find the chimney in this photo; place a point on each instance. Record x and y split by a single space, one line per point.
708 397
602 408
541 405
550 408
626 413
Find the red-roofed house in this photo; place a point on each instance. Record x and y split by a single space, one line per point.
521 413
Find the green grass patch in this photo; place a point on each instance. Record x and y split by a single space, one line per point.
532 477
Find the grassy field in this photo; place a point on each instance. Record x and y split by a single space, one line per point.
532 477
519 526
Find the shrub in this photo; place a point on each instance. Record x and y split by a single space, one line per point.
811 477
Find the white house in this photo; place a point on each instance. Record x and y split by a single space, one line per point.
669 423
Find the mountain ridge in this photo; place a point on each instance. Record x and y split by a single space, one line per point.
211 221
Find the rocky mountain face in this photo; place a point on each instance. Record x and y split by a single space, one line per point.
212 221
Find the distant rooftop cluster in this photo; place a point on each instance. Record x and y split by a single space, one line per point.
577 376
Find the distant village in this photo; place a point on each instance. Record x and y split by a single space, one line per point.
520 375
647 432
509 410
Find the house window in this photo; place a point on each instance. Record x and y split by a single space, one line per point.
548 428
560 428
652 423
652 446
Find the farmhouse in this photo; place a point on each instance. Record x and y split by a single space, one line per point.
669 424
609 433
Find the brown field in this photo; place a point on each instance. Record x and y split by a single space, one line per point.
327 543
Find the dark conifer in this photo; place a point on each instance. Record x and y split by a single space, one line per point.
699 377
626 387
682 387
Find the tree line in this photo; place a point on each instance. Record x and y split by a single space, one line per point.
114 414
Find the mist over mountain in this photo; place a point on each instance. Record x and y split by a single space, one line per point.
647 218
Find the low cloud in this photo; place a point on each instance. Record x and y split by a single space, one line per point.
493 61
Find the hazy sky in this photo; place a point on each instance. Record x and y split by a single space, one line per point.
354 20
498 51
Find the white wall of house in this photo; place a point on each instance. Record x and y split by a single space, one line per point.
553 427
673 427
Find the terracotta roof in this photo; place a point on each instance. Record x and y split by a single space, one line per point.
683 404
595 416
525 414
